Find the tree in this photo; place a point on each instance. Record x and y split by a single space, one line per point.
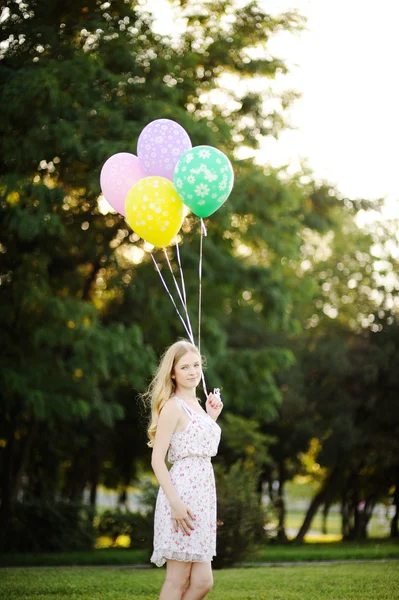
349 377
79 82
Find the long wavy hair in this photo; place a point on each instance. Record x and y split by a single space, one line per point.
163 386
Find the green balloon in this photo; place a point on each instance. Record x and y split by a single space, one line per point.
203 179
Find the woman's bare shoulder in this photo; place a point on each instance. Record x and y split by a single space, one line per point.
171 406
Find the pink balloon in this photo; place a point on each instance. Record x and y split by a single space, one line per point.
119 173
160 145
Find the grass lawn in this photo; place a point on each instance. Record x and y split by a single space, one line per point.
271 553
372 549
372 581
111 556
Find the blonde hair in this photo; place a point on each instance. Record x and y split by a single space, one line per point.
162 387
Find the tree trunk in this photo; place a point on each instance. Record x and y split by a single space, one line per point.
345 514
6 483
345 519
122 498
24 462
315 504
367 514
355 533
79 476
281 509
8 464
394 523
326 510
357 508
272 494
94 476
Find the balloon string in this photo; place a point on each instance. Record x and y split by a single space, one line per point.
203 232
181 271
172 299
183 285
184 303
204 385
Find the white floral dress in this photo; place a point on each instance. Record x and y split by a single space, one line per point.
192 476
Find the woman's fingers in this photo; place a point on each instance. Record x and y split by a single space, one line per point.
215 400
191 515
184 525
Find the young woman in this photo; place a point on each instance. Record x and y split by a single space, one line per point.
185 513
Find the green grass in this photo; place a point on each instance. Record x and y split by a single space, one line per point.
111 556
378 581
372 549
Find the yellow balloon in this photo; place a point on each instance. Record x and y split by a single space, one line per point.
154 210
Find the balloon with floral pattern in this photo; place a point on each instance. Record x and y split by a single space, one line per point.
204 179
160 145
118 174
154 210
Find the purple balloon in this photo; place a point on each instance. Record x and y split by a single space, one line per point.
119 173
161 143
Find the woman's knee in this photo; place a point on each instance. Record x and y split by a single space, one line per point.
176 581
177 576
202 585
208 584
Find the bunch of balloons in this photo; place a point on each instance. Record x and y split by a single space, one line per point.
149 189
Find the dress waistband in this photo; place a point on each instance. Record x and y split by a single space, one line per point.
194 457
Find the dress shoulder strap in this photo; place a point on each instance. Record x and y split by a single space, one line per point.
188 410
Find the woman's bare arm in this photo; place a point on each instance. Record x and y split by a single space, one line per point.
168 420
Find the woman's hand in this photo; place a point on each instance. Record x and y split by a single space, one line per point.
182 517
214 405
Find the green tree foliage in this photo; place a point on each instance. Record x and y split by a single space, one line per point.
341 389
83 314
82 322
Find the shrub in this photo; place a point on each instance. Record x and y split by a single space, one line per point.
43 526
114 523
241 516
139 526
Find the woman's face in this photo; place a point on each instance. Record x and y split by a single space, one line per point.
187 372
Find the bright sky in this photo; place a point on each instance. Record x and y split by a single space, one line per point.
345 65
347 118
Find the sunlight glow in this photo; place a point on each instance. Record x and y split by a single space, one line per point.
344 64
347 119
103 206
